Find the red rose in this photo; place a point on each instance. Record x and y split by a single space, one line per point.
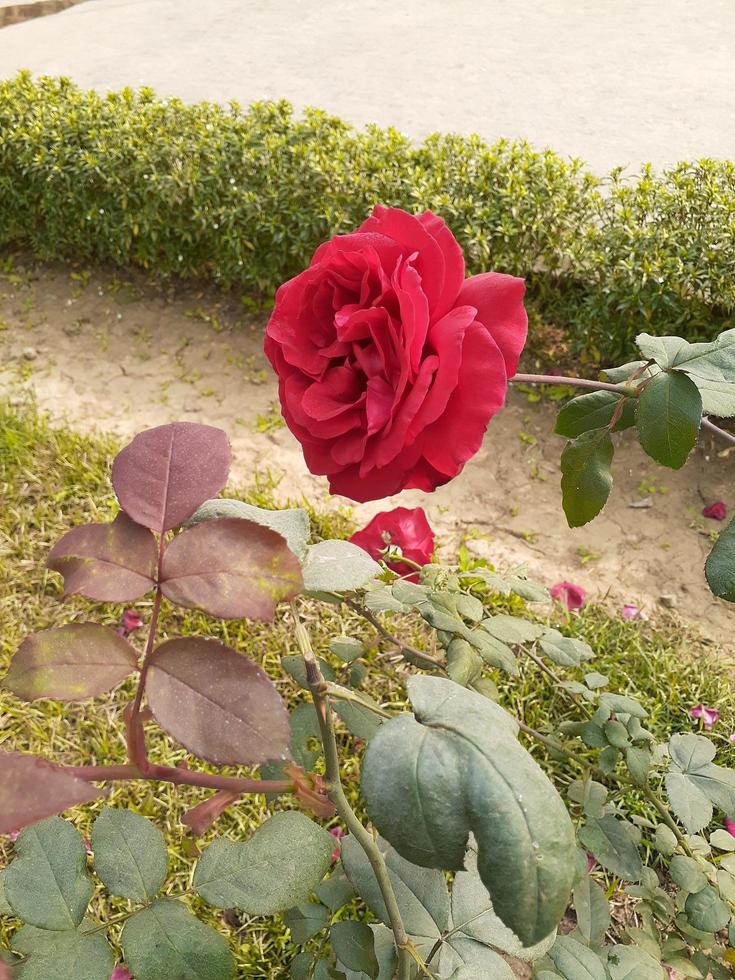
390 362
406 529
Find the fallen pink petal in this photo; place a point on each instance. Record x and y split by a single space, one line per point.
731 738
730 826
631 611
570 595
708 716
716 511
121 973
131 620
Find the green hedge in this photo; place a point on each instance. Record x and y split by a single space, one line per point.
243 197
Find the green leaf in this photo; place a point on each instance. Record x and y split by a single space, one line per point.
621 704
335 891
611 842
566 651
694 783
292 524
5 908
305 920
166 941
129 854
274 870
687 873
456 768
464 665
470 960
493 651
668 417
293 664
347 648
723 840
360 721
631 963
474 918
47 884
638 760
594 410
706 910
512 629
720 565
301 966
573 961
586 476
354 946
71 953
619 375
337 566
662 350
422 894
593 912
665 840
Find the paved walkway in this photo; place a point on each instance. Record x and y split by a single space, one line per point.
613 81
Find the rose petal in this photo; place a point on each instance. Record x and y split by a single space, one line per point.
716 511
498 299
708 716
570 595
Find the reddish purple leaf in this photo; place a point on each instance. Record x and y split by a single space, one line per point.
109 562
32 789
165 473
201 817
71 663
217 703
231 568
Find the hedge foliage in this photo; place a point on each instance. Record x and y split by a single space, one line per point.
243 198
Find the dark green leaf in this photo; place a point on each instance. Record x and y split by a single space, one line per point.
610 840
694 783
457 768
464 665
593 912
493 651
274 870
665 840
47 884
359 720
354 946
167 941
72 953
631 963
593 411
573 961
687 873
422 894
668 417
347 648
305 920
720 565
335 891
586 476
512 629
706 910
639 762
129 854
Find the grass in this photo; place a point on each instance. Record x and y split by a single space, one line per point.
53 478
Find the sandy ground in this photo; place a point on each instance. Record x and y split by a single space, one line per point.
120 355
616 82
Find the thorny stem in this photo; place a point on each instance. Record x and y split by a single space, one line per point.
188 777
620 389
418 655
136 738
319 690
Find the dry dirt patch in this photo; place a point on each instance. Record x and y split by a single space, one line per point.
119 355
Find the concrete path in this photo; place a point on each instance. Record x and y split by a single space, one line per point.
613 81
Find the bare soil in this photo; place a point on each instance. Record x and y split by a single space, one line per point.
118 354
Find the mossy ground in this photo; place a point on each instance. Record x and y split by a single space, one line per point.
53 478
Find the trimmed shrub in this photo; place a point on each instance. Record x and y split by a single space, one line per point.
243 198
